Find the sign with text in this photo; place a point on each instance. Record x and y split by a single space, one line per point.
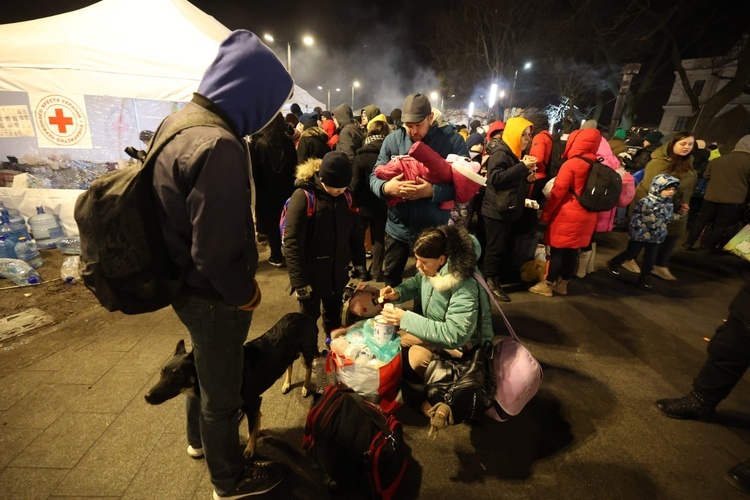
15 121
60 121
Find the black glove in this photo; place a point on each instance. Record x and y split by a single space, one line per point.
303 293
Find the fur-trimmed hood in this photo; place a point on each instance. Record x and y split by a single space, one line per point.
463 252
306 170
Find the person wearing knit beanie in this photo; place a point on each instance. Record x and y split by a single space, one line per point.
654 137
335 170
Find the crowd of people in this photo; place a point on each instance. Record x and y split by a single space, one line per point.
320 170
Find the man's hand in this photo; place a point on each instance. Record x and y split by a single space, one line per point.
397 186
420 189
254 302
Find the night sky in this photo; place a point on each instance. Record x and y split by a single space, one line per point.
380 44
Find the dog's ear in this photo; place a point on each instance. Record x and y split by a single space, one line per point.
180 348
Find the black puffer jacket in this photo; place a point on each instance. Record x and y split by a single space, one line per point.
369 204
319 248
506 185
313 143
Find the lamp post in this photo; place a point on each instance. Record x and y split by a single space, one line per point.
307 40
328 107
491 101
355 84
526 67
471 112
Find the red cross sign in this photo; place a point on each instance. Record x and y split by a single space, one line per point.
60 120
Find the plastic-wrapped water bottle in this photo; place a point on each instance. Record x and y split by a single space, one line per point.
321 376
14 230
27 251
11 211
46 229
19 272
13 215
7 248
70 245
70 271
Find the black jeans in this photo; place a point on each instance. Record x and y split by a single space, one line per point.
331 309
495 252
728 359
396 255
723 215
631 252
376 224
562 263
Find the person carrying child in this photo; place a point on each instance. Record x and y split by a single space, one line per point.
648 227
320 247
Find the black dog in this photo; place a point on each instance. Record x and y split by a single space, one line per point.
265 360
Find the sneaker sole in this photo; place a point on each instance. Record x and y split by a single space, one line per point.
216 496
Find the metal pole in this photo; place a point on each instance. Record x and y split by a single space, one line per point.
289 57
329 100
513 91
352 97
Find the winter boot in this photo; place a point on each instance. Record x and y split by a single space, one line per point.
543 288
497 290
590 267
739 476
584 258
690 407
560 286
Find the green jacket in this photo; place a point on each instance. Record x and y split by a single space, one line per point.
659 164
451 301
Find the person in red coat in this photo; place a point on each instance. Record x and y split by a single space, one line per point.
569 225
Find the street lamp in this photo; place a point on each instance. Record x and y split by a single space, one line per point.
355 84
526 67
471 111
307 40
328 107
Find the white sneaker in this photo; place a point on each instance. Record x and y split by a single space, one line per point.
195 452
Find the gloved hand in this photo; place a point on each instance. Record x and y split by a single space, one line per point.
255 301
303 293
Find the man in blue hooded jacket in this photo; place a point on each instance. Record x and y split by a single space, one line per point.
202 185
421 208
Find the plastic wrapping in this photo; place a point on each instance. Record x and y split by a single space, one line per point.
19 272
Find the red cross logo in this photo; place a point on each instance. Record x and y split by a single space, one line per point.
60 120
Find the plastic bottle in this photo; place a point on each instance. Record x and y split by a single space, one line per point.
70 271
7 248
27 251
14 230
70 245
46 229
13 215
11 211
321 376
19 272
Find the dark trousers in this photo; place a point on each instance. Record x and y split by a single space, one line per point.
396 255
665 251
631 252
722 215
728 359
376 223
217 332
562 263
331 310
497 233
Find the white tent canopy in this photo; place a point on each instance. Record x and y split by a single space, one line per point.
143 49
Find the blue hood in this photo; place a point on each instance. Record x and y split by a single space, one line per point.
247 81
661 182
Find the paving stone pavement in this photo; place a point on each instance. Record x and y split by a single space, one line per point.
74 423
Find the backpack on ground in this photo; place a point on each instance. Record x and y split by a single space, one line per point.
602 190
125 262
356 444
311 205
555 157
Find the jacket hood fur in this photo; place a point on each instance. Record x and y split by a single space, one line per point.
306 170
463 251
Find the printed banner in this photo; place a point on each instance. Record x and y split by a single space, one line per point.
15 121
60 121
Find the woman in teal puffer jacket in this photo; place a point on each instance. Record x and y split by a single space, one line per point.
450 296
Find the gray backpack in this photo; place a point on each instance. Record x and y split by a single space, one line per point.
125 262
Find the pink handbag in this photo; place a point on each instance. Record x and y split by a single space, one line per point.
517 374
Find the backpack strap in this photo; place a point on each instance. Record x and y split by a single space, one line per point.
481 281
350 201
311 202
